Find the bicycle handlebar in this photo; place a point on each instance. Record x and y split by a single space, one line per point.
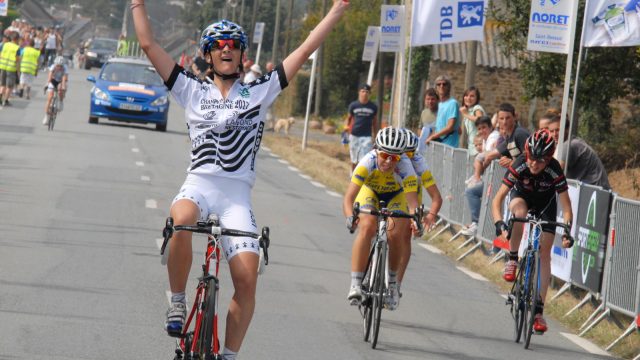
566 227
211 227
386 213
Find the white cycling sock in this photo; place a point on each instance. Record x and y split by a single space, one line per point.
356 278
178 297
228 354
392 277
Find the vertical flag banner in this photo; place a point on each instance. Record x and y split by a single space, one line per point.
371 44
447 21
258 31
4 7
612 23
550 26
392 28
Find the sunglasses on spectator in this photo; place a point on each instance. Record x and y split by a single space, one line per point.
441 84
231 43
384 156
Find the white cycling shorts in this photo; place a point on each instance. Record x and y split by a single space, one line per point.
231 200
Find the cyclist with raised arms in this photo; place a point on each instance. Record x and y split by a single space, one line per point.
426 180
225 118
382 174
533 180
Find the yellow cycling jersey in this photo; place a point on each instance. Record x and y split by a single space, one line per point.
419 164
403 177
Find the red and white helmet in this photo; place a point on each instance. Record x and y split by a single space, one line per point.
540 145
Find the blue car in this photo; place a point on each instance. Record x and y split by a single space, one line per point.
129 90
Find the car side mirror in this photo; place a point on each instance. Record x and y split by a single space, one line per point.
91 78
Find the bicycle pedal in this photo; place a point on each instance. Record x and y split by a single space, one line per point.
174 331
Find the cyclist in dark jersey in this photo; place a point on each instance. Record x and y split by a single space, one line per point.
532 182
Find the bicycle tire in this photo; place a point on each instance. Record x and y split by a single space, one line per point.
207 334
52 120
52 111
377 296
532 298
517 307
365 305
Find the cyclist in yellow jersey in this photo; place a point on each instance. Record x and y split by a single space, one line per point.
382 174
426 180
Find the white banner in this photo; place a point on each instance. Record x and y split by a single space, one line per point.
550 26
447 21
371 44
612 23
392 28
258 31
561 258
4 7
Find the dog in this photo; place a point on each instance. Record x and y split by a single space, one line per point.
284 124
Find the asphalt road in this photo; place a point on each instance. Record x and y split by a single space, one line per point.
82 208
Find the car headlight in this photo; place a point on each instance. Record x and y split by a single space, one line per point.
160 101
91 54
100 94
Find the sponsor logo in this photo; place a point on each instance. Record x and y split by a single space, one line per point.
130 99
470 14
589 240
209 116
244 92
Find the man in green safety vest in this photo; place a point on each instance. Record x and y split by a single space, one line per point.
28 68
123 46
9 61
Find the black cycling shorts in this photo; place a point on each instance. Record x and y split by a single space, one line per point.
545 207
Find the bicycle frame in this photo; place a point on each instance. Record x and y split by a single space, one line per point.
380 244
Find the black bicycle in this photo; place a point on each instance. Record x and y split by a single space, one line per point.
199 340
525 292
52 112
375 283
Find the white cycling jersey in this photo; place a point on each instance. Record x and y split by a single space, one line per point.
225 133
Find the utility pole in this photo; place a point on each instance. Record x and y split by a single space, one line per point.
276 31
253 17
381 84
320 54
242 12
289 25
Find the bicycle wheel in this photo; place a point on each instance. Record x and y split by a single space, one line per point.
377 295
52 120
532 299
365 305
209 322
52 112
517 305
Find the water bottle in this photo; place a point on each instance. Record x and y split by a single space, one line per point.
344 138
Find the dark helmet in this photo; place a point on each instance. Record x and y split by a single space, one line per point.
540 145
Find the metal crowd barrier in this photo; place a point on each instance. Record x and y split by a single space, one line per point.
620 285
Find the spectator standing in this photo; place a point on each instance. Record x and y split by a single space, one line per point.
254 72
199 66
28 68
470 111
9 65
446 130
514 136
428 117
362 124
50 47
123 46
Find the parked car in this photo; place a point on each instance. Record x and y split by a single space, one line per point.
98 51
129 90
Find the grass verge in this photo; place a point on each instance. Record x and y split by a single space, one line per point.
329 164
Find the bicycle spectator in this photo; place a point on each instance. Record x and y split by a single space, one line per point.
361 123
470 111
514 136
9 66
446 130
254 73
532 183
28 68
57 81
217 181
583 163
488 140
382 174
428 117
426 180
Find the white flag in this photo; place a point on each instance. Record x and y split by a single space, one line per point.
612 23
447 21
4 7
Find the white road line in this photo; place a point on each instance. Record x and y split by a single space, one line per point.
135 150
274 155
151 204
585 344
159 242
431 248
294 169
317 184
334 194
283 161
472 274
505 296
306 177
168 292
132 137
266 149
140 163
145 178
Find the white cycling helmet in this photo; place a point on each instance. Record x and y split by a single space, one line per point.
391 140
59 60
412 140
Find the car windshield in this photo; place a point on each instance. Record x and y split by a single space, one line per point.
106 44
131 73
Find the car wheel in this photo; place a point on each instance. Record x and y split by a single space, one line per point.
93 119
161 127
